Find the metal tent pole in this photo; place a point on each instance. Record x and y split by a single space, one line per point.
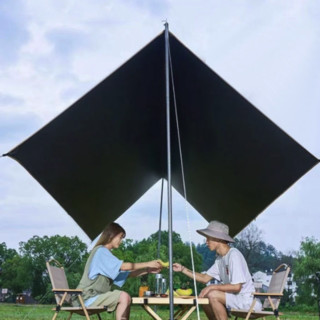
169 171
160 219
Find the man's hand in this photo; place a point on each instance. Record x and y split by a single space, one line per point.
177 267
206 290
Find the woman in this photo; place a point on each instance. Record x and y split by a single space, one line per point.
104 269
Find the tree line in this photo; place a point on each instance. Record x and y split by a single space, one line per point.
26 268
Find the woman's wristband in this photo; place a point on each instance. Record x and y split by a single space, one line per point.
182 268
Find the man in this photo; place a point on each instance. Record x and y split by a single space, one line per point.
230 268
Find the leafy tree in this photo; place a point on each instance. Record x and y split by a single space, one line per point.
17 273
266 258
5 254
70 252
306 268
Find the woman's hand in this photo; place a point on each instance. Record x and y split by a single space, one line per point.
177 267
154 270
155 264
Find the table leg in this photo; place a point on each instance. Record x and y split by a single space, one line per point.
188 313
151 312
180 312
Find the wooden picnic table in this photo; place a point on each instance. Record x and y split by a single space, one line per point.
186 305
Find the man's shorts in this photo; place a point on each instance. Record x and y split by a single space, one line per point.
242 301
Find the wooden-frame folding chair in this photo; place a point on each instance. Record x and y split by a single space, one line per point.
271 298
63 294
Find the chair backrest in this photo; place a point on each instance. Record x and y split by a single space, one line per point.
277 284
58 279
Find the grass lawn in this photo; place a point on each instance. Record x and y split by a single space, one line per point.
42 312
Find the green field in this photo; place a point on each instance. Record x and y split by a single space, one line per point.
42 312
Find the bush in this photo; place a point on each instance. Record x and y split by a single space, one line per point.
301 308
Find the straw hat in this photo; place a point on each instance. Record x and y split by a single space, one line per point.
217 230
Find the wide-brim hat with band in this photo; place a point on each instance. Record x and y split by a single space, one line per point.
217 230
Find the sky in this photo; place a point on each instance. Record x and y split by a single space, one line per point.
52 52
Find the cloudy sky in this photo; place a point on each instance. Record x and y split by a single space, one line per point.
53 51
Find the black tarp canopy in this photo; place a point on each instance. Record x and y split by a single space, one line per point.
108 148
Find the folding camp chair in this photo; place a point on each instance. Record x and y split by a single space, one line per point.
271 298
63 294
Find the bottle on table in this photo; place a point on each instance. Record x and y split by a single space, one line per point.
144 287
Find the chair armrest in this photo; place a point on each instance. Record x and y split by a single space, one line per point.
267 294
70 291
